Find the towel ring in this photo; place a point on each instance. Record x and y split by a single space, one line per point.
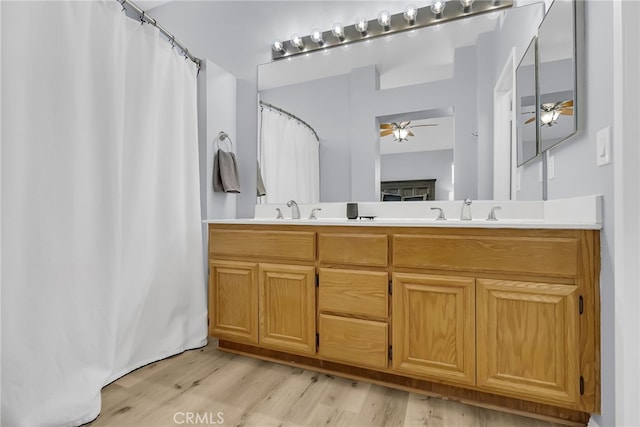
223 136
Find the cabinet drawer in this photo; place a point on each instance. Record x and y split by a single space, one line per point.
535 255
354 341
354 292
355 249
293 245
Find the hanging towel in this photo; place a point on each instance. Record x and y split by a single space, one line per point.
225 172
261 190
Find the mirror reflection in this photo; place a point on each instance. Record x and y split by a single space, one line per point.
445 74
557 74
527 138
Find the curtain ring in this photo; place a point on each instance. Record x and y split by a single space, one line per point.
142 18
173 42
122 4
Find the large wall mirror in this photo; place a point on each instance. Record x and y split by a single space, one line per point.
526 101
557 74
441 76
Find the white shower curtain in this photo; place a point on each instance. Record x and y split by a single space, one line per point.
102 267
289 159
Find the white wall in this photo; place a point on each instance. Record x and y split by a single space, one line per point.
220 116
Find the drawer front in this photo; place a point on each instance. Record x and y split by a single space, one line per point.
293 245
546 256
353 341
362 293
354 249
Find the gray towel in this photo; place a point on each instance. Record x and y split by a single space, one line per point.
261 190
225 173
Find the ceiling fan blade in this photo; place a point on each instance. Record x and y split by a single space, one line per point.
532 119
410 133
386 132
566 112
404 124
417 126
568 103
386 126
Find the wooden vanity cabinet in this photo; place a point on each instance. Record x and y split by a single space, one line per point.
434 326
503 318
353 299
262 288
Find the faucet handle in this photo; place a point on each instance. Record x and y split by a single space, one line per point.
441 216
312 215
492 214
279 214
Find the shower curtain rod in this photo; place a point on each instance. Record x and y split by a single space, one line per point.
293 116
171 38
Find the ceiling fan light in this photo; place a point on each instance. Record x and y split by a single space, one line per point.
400 134
410 13
384 19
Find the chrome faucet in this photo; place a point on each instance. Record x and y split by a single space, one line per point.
312 215
441 216
465 213
492 214
295 211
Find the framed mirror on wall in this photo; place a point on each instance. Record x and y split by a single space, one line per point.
526 102
557 73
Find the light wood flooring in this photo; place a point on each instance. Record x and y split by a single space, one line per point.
207 386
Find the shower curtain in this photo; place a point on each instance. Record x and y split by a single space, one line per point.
102 270
289 159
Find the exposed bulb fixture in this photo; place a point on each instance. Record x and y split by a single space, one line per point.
549 118
410 13
384 19
277 46
466 5
361 26
296 41
316 36
338 31
437 7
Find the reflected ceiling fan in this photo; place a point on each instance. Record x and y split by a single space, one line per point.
400 130
550 111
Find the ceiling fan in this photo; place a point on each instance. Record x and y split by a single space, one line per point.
400 130
550 111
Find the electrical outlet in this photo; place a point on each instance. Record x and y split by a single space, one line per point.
603 146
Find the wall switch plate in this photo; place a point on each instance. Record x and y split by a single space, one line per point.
603 146
551 166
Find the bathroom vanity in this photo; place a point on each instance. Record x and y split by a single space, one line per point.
501 315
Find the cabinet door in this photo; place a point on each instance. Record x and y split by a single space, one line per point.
233 301
434 327
288 308
528 340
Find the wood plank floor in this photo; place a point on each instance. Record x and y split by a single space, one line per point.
209 387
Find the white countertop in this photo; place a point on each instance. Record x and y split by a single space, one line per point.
575 213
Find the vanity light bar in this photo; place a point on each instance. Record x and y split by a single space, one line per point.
398 23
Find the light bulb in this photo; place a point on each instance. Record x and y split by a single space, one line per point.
277 46
384 19
437 7
316 36
361 25
466 5
296 40
410 13
338 31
